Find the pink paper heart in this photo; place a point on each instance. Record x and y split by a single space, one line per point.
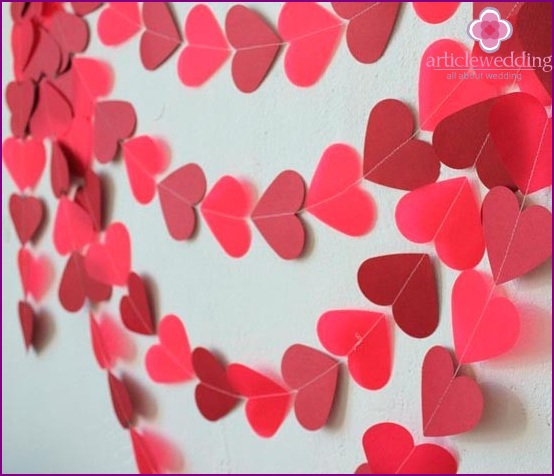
73 227
36 273
53 114
118 22
25 160
110 343
435 12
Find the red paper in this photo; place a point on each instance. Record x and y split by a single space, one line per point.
214 395
407 283
53 113
20 97
313 375
312 34
170 360
45 56
161 37
276 217
446 213
36 273
334 196
369 28
118 22
391 156
23 40
154 454
517 240
121 401
73 227
135 308
89 197
25 160
59 171
450 404
70 32
109 342
206 49
225 209
179 192
257 46
435 12
390 449
84 8
363 337
267 402
27 214
114 121
27 321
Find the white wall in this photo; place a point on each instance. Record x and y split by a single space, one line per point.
56 408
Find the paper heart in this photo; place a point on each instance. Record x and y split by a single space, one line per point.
439 96
276 217
484 325
70 32
84 8
313 375
369 28
407 283
362 337
450 404
27 321
214 395
53 114
144 158
36 273
446 213
89 197
76 145
118 22
114 121
518 240
435 12
462 140
110 343
110 262
154 454
24 39
225 209
390 449
161 37
25 160
391 156
135 308
179 192
256 47
45 58
170 361
312 34
73 227
27 214
59 171
267 402
206 49
121 401
76 285
334 196
20 97
522 134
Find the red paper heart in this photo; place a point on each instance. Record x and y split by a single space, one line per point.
20 97
121 401
109 342
522 134
110 262
313 375
45 58
391 156
114 121
334 196
70 32
276 217
24 39
267 402
161 37
59 171
225 210
435 12
462 140
53 115
312 34
154 454
369 28
76 285
170 361
27 322
84 8
118 22
144 158
439 96
73 227
135 308
517 240
89 197
390 449
484 325
36 273
76 144
206 49
407 283
363 337
257 46
446 213
25 160
27 214
214 395
179 192
450 404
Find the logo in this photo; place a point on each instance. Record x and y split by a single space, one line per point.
490 30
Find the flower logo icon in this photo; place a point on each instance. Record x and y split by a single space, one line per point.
490 30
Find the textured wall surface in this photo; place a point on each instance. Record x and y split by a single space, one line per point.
57 414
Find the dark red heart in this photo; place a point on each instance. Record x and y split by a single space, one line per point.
114 121
135 307
59 171
27 214
89 197
27 321
121 401
20 97
161 37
